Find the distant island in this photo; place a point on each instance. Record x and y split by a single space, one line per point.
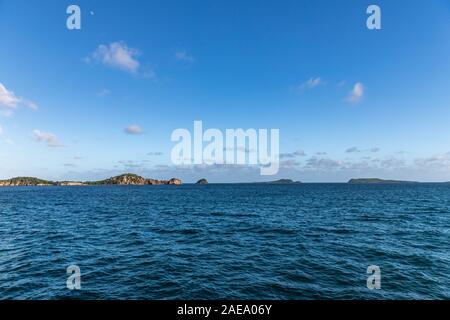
25 181
124 179
202 181
281 181
378 181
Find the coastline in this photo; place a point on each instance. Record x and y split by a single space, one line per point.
130 179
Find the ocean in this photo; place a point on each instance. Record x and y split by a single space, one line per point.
226 241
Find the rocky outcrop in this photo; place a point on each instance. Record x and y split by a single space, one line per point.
124 179
202 181
175 181
133 179
172 181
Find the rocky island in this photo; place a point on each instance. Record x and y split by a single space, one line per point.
202 181
25 181
378 181
124 179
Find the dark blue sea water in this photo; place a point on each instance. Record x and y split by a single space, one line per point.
309 241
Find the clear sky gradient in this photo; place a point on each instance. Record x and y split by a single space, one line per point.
349 102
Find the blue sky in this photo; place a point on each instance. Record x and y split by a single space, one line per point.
349 102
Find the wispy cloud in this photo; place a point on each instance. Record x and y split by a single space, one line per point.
7 98
366 165
133 129
184 57
9 101
392 163
155 154
132 164
49 138
353 150
314 82
440 161
290 163
357 93
298 153
319 163
117 55
358 150
310 84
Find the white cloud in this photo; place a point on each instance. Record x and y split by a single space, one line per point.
183 56
29 104
357 93
7 98
314 82
117 55
134 129
440 161
1 130
9 101
310 84
49 138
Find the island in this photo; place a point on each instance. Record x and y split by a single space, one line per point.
281 181
124 179
202 181
378 181
25 181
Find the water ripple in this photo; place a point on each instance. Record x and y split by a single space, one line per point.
311 241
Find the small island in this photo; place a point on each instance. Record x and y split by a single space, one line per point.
282 181
25 181
124 179
378 181
202 181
